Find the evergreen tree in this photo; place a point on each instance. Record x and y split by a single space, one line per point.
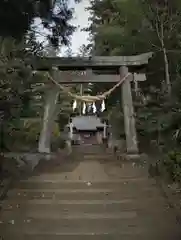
16 18
134 27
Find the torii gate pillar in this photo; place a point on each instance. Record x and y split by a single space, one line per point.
129 119
44 145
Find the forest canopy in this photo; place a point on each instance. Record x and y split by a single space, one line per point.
19 15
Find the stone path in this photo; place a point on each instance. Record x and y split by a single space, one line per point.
90 196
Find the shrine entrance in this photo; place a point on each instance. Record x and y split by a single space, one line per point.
121 70
87 130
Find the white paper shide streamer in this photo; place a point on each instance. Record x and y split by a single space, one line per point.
74 105
84 108
103 106
94 107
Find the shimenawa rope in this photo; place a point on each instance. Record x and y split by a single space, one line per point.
89 98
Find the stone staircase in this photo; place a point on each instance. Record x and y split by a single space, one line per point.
91 196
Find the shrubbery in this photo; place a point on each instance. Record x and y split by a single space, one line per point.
172 164
23 135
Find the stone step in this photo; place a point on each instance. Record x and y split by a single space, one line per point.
90 152
110 173
74 207
37 184
42 183
82 190
120 203
85 226
125 193
17 216
92 236
89 157
66 213
89 170
97 156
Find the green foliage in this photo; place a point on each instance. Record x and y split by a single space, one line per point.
173 165
16 18
57 143
17 15
31 129
16 92
15 84
20 135
132 27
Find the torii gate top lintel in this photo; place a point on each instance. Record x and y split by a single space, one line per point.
95 62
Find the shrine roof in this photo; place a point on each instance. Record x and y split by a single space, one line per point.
90 123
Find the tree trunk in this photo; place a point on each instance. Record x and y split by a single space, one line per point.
165 57
167 74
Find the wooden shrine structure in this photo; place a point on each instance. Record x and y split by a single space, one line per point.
97 69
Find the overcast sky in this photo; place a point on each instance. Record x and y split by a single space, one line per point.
80 20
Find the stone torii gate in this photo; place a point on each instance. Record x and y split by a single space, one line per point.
99 69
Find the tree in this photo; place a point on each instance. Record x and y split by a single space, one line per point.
17 40
19 15
117 29
164 18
